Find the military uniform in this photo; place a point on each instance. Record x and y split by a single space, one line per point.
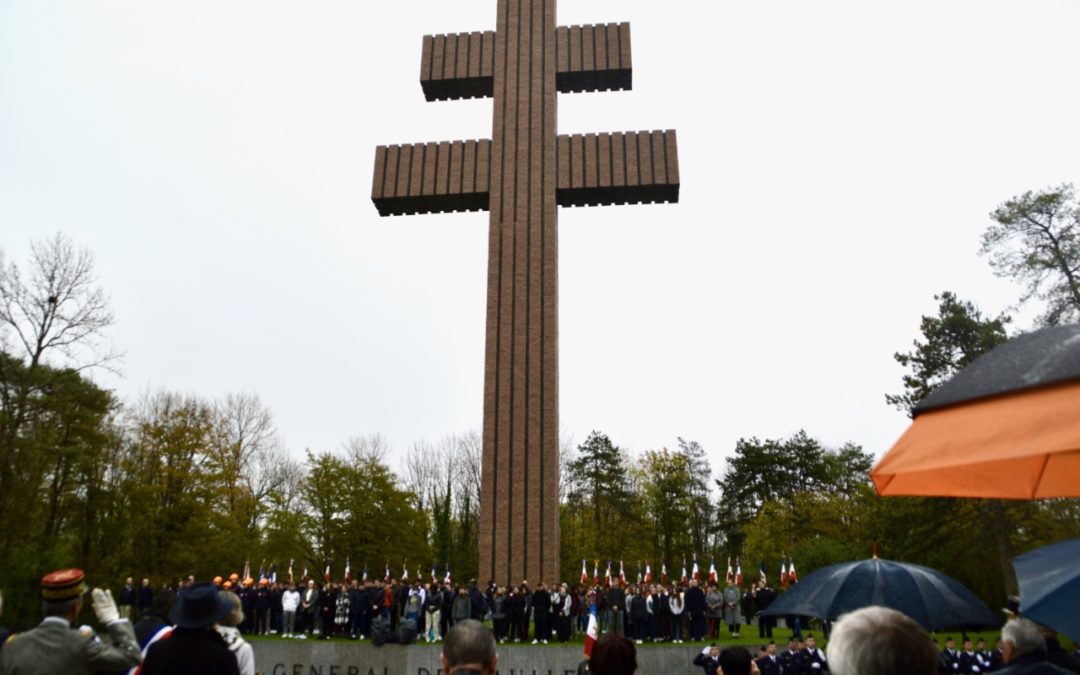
55 647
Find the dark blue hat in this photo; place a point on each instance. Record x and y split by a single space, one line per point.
199 605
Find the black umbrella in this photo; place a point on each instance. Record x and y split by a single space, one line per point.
932 599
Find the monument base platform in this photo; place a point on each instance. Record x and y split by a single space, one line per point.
314 657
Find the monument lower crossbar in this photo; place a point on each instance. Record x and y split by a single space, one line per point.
520 175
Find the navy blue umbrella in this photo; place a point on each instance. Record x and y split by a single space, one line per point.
1050 586
932 599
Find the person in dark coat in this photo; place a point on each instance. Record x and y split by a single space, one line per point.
709 660
763 597
1025 650
515 607
639 615
813 658
146 596
156 618
791 662
770 663
261 605
477 602
194 646
696 609
327 609
541 603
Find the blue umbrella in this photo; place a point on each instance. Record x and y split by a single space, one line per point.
932 599
1050 586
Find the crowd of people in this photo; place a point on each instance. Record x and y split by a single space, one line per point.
200 627
517 613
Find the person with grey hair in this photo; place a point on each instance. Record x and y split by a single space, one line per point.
229 631
880 641
469 647
1025 650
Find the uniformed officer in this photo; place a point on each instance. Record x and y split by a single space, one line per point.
55 647
813 658
769 664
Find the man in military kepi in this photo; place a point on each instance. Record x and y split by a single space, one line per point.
55 647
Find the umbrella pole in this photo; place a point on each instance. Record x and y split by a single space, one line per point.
1001 526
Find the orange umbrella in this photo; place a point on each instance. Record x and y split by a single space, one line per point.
1007 426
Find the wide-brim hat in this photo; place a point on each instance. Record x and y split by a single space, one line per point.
199 605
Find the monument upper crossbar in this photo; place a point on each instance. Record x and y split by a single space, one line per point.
521 175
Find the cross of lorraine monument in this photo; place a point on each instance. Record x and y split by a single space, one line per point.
520 176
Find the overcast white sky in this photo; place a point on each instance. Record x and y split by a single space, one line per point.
838 161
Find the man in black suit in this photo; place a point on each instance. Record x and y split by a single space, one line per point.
791 661
770 663
696 608
763 597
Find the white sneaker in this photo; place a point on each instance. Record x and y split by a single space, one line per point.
536 642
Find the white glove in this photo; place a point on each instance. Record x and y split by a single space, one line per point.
815 665
104 606
706 651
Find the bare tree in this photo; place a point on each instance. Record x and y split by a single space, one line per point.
56 306
370 448
247 454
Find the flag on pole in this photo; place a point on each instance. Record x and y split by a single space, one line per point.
386 579
262 570
348 571
639 577
792 578
364 576
696 572
305 577
648 572
592 632
622 574
730 572
247 571
596 572
433 577
685 578
738 571
584 573
326 574
663 573
761 569
783 573
405 571
271 576
446 579
290 570
607 575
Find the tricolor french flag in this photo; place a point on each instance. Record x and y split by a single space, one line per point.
663 573
648 572
622 574
348 571
592 632
792 578
738 572
596 573
584 573
685 579
783 572
696 572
